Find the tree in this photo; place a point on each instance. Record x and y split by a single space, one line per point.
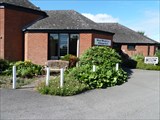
141 32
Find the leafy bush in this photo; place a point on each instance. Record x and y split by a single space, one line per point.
100 56
129 63
105 75
157 54
24 69
138 57
142 65
71 87
72 60
4 64
82 78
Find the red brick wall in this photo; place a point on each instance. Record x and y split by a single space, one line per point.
1 32
36 47
139 49
15 20
152 50
87 40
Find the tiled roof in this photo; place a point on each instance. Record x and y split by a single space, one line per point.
65 20
21 3
126 35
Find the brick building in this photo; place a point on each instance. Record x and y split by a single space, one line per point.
14 16
129 41
28 33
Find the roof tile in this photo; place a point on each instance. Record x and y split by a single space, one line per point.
65 19
126 35
21 3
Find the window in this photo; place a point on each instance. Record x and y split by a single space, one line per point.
131 47
62 44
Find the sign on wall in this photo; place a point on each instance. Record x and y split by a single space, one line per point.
151 60
104 42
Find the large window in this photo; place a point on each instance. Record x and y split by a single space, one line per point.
62 44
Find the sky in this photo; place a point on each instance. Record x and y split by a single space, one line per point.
139 15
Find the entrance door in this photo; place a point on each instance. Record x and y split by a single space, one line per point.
53 47
64 38
73 44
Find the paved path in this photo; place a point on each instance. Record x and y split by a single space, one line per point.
136 99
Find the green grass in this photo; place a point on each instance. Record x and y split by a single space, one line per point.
71 87
6 81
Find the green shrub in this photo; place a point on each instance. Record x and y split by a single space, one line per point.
100 56
157 54
4 64
105 75
82 78
71 87
129 63
24 69
142 65
138 57
72 60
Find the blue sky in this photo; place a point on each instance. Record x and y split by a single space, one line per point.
139 15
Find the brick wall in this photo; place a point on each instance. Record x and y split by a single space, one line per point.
1 32
15 20
87 40
139 49
36 47
152 50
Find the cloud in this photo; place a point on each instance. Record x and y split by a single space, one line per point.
149 23
101 18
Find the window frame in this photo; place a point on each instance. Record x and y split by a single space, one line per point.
131 47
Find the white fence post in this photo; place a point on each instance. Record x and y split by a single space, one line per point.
117 66
48 76
94 68
14 77
61 77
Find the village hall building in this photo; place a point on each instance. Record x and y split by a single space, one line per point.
28 33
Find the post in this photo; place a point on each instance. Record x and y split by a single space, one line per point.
61 77
14 77
78 48
117 66
47 76
94 68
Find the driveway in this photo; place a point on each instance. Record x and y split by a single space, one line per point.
136 99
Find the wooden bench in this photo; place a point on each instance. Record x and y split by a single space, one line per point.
56 65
